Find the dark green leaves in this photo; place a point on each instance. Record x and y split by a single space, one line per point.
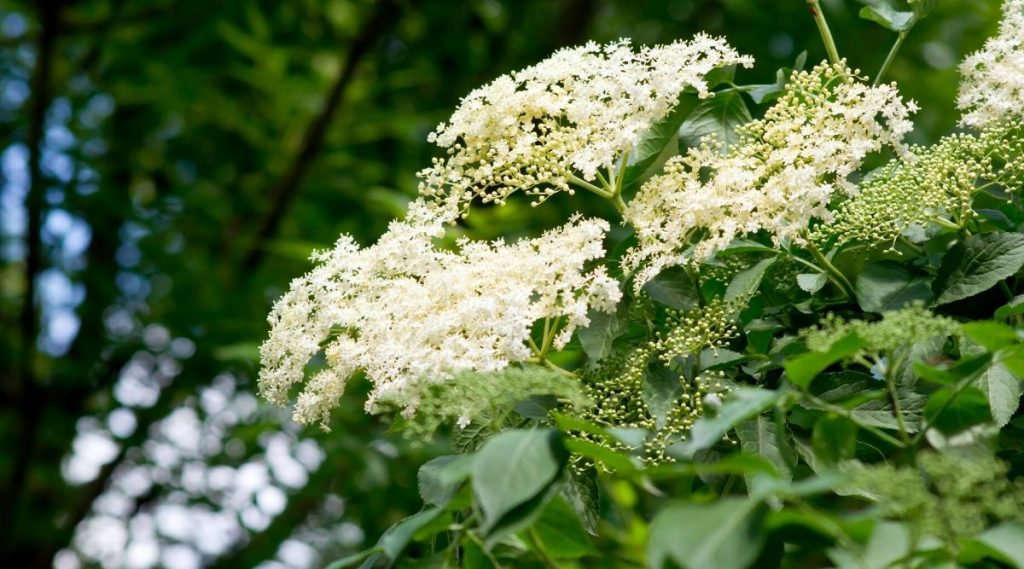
661 389
834 438
741 404
597 338
802 369
888 17
656 146
747 281
727 534
978 263
887 285
512 468
951 410
674 287
717 117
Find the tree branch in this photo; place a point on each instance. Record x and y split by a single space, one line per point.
284 191
26 386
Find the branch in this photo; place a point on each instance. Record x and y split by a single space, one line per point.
285 190
26 386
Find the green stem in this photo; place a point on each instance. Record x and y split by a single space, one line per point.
483 548
888 59
588 186
826 34
538 547
849 415
897 410
837 276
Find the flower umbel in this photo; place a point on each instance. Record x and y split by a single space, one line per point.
403 309
565 118
992 84
782 173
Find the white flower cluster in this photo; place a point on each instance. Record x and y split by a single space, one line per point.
992 84
573 114
403 310
782 172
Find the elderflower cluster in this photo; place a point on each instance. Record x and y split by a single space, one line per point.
783 171
404 310
992 84
931 184
617 384
946 496
897 329
565 118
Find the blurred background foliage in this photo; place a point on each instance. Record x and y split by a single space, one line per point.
167 166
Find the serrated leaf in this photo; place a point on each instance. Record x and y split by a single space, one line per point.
513 467
951 411
1003 391
761 436
741 404
888 17
583 495
674 287
718 118
394 540
439 479
886 285
747 281
599 336
658 143
727 534
660 390
977 263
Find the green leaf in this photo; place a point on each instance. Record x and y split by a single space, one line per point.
890 542
811 282
1006 542
1003 390
583 495
1013 308
887 285
599 336
601 454
977 263
923 7
657 144
439 479
991 335
660 390
747 281
834 438
713 358
560 531
513 467
802 369
741 404
963 368
727 534
951 412
888 17
718 118
761 436
394 540
674 287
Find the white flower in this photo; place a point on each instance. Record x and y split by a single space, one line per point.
571 115
781 173
403 310
992 83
